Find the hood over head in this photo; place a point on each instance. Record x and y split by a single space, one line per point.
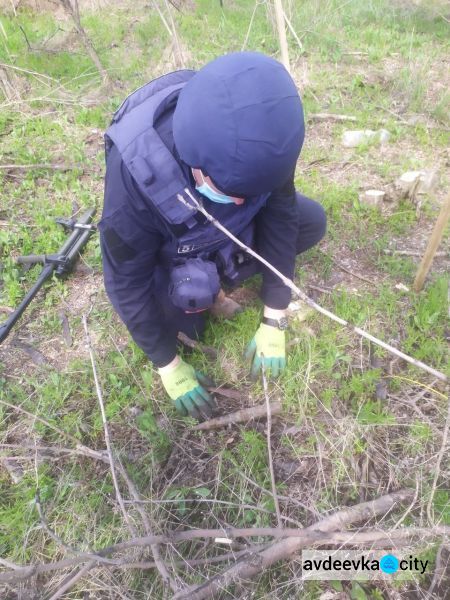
240 120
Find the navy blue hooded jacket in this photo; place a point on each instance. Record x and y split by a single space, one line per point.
136 231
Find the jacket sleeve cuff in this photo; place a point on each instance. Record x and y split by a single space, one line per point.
277 297
163 356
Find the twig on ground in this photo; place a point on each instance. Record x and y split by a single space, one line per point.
48 529
319 289
22 70
9 564
344 268
227 393
159 563
291 285
282 550
410 252
437 469
269 443
292 30
131 487
257 3
30 49
79 448
187 341
71 7
215 501
323 532
178 52
125 514
330 117
54 167
240 416
72 579
287 499
439 572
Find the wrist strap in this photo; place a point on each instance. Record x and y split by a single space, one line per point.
278 323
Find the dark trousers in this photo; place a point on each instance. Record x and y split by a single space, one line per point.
311 229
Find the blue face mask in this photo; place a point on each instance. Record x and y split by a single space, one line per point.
214 196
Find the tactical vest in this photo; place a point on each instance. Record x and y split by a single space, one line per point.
160 178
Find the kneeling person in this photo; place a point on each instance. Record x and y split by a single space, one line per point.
231 133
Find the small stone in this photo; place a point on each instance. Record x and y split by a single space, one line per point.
402 287
351 139
372 198
428 180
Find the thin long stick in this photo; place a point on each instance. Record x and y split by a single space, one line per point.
178 52
80 448
247 569
338 538
279 14
73 11
290 284
322 532
240 416
159 563
126 516
437 469
72 580
433 244
292 30
269 444
131 487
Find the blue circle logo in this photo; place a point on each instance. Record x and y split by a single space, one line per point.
389 563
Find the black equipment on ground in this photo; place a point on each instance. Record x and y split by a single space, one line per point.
60 263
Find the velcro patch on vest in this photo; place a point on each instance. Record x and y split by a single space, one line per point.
118 248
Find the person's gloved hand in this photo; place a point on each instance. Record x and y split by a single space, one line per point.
187 388
271 343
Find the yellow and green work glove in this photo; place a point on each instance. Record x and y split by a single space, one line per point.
187 388
270 342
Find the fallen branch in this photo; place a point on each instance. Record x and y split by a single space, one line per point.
437 469
159 563
106 429
72 579
330 117
240 416
290 284
187 341
155 550
269 444
339 538
79 448
53 167
248 568
324 532
410 252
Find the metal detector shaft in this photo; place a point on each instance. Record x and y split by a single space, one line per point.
61 263
6 327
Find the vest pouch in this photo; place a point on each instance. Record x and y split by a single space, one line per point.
233 263
194 284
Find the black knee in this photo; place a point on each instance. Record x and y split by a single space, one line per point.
312 223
